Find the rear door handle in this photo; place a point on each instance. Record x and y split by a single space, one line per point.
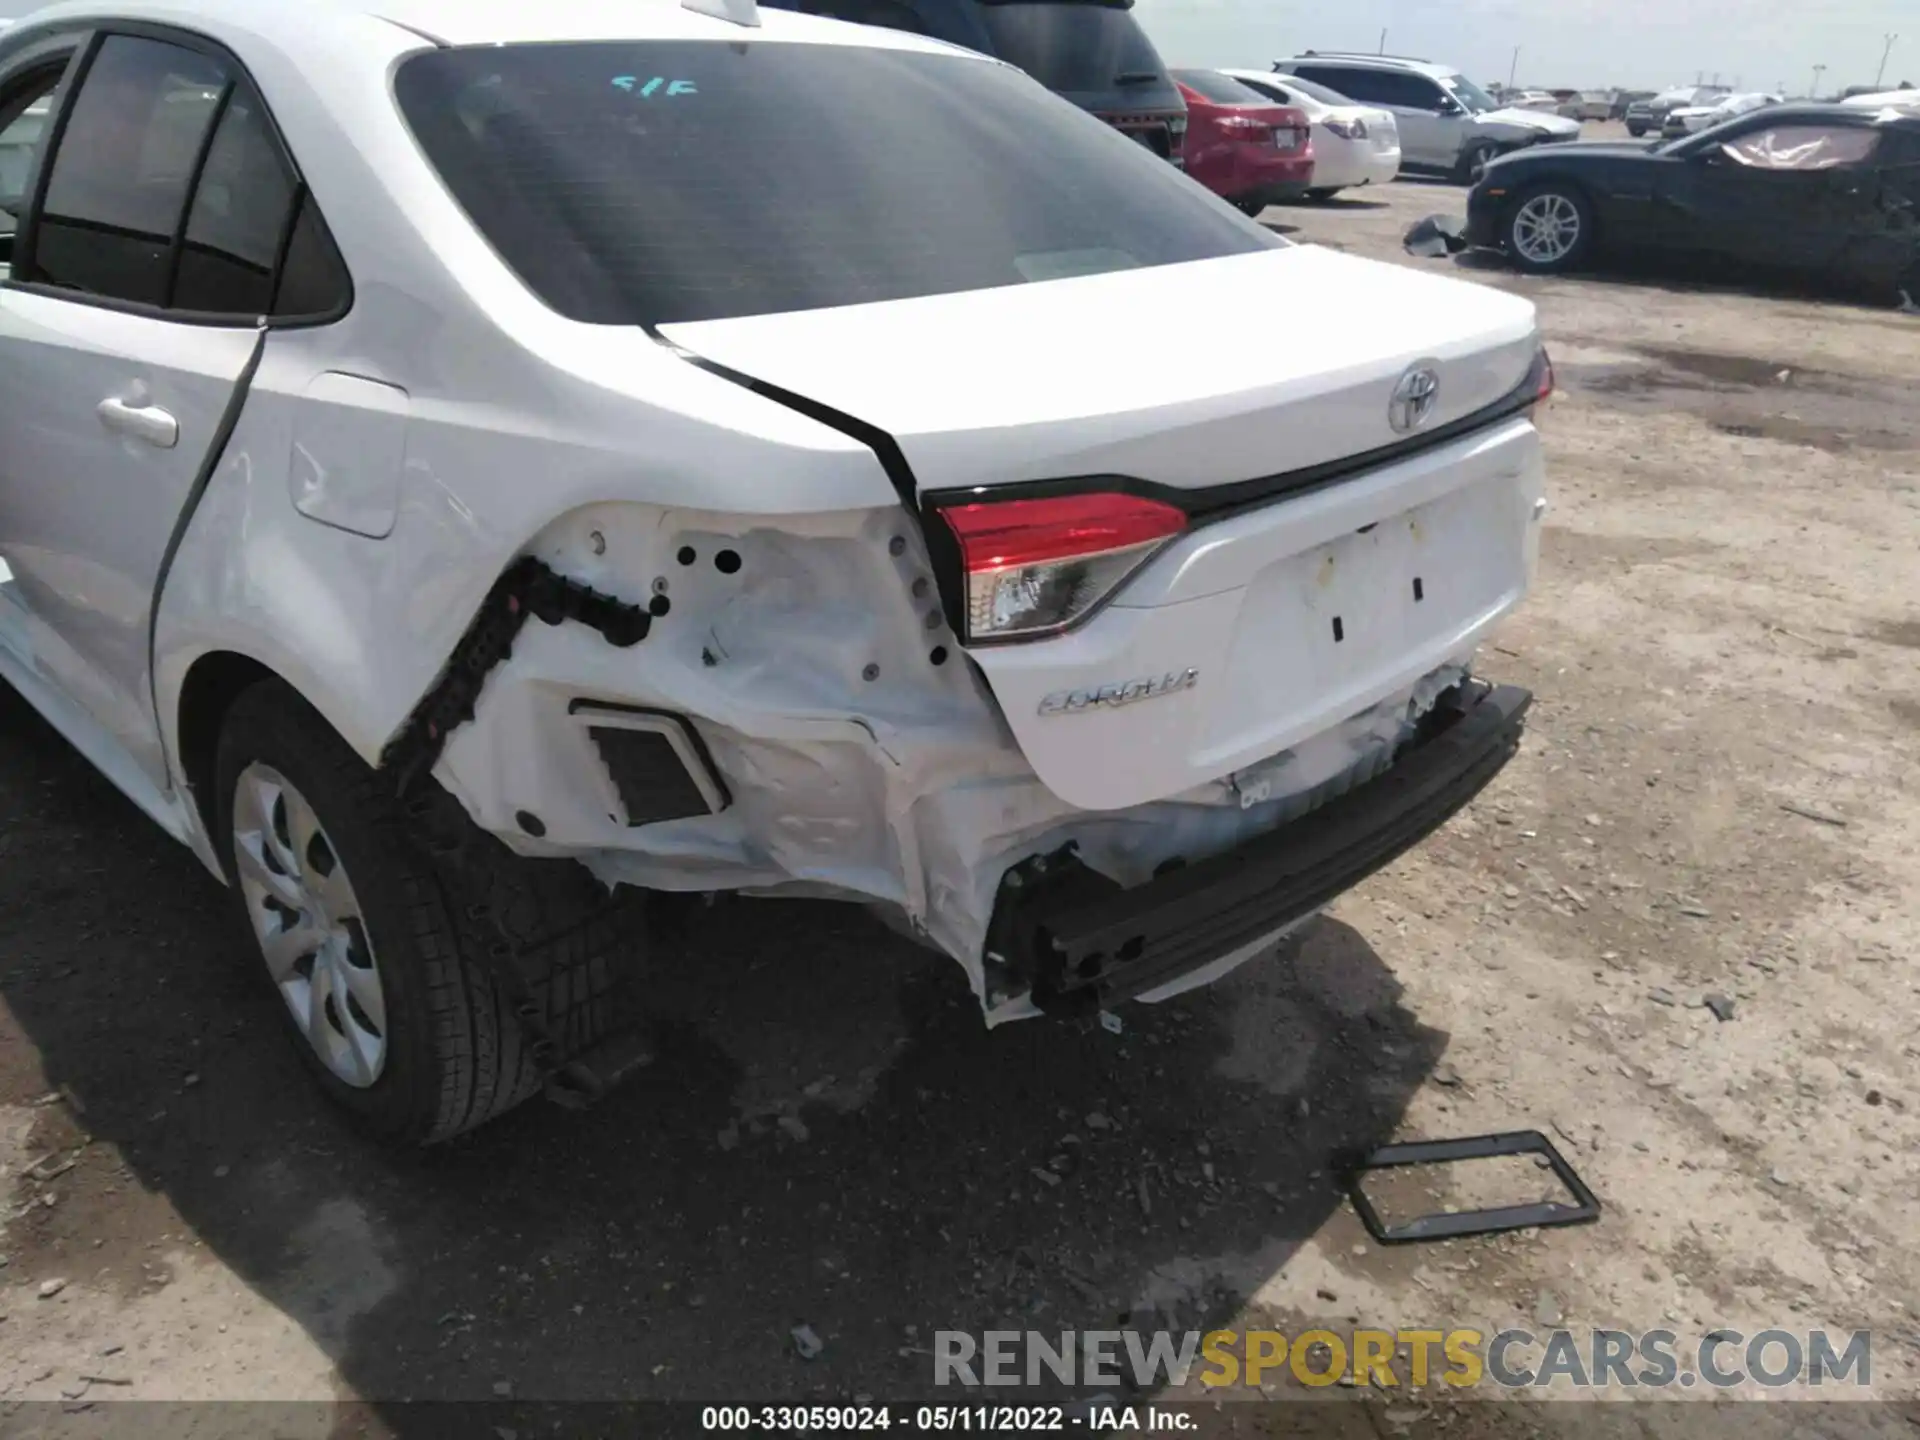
140 422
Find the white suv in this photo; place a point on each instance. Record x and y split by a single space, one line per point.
1448 124
468 468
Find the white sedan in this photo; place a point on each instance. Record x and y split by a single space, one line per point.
1691 119
474 471
1352 144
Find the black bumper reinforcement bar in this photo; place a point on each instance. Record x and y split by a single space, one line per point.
1082 942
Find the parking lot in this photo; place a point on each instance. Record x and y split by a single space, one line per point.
1716 803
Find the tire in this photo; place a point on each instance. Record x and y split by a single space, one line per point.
1323 194
451 1053
1252 208
1636 131
1538 212
1475 158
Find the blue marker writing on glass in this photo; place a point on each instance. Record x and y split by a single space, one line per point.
631 84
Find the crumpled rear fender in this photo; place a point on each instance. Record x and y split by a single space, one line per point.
280 562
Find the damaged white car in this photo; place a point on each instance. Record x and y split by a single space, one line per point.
469 466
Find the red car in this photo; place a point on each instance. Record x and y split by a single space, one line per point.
1241 145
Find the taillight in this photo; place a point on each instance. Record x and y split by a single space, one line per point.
1542 376
1245 127
1032 567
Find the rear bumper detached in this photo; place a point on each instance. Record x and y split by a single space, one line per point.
1084 943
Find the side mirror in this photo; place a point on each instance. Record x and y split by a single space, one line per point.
1448 106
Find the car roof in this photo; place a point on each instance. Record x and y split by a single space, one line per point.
1370 62
285 23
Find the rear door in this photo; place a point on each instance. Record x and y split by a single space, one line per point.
147 258
1786 195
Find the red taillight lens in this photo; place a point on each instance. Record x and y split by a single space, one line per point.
1244 127
1032 567
1542 384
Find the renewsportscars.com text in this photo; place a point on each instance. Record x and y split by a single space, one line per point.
1415 1358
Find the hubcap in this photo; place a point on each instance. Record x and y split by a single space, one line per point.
1546 229
1477 162
309 924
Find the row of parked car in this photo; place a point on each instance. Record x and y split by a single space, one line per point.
1309 127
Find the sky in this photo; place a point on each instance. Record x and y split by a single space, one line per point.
1648 44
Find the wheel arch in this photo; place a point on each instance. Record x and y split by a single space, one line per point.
207 691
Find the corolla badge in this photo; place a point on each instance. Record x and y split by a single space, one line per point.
1123 692
1415 399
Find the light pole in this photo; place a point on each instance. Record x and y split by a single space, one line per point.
1818 71
1514 68
1881 74
1383 40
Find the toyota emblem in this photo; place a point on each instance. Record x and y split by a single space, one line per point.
1414 400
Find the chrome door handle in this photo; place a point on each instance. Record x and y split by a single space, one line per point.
140 422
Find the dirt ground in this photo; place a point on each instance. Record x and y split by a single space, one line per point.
1717 799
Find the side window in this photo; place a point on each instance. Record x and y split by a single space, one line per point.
119 181
240 214
313 278
23 122
1802 147
1354 84
151 123
1414 92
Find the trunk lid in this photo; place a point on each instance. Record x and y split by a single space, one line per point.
1186 375
1309 622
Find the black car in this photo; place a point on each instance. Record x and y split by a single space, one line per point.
1092 52
1826 191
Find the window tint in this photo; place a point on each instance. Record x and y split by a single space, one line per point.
1071 46
653 182
119 181
23 122
239 217
1354 84
1266 89
890 13
314 280
1415 92
1315 92
1221 89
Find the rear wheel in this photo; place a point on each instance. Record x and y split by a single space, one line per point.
365 915
1636 131
1255 208
1548 229
1324 193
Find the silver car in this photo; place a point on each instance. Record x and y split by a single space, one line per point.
1448 124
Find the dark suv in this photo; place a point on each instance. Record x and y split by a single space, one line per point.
1092 52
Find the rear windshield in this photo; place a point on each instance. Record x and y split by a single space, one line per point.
1073 46
1221 89
659 182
